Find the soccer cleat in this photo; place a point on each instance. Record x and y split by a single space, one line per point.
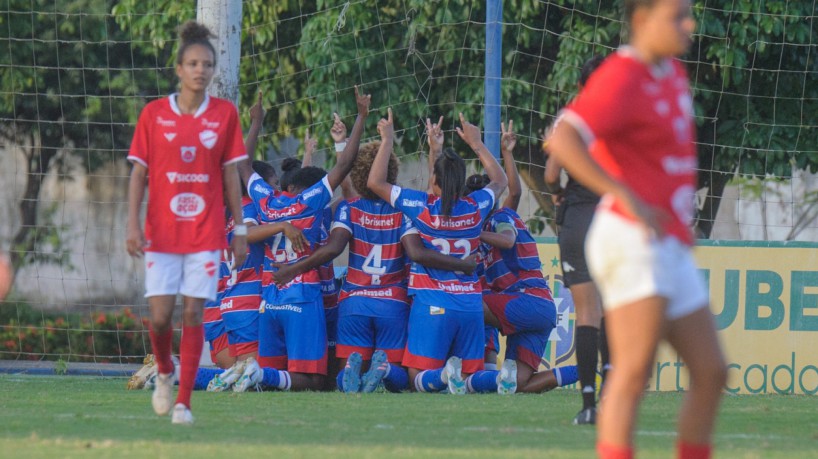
454 376
586 417
162 399
351 382
507 383
225 380
377 370
142 375
181 415
150 382
250 378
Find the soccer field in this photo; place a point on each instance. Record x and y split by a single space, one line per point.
65 416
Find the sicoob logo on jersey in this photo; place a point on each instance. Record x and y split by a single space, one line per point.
188 154
560 345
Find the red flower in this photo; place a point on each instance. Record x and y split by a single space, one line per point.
101 319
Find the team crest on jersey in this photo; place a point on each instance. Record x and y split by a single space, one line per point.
188 154
210 268
560 345
208 138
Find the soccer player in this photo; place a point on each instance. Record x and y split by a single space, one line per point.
292 329
190 143
517 298
635 116
575 209
446 318
374 305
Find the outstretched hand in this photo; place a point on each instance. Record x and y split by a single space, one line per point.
257 110
362 101
435 134
469 132
309 144
509 138
386 126
339 129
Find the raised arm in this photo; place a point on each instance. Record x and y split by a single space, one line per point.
434 259
377 175
336 243
309 149
347 158
471 134
251 140
434 132
232 194
515 189
135 239
339 137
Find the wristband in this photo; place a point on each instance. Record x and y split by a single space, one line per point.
240 230
339 147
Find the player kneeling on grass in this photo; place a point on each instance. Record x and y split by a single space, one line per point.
446 318
518 300
629 137
292 330
193 174
374 306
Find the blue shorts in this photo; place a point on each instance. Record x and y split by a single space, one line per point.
527 320
243 340
331 317
366 333
436 333
293 337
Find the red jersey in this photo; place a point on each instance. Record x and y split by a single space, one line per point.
184 155
637 120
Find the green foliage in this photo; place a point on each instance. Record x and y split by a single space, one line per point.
113 337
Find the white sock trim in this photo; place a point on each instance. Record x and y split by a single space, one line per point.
558 375
419 382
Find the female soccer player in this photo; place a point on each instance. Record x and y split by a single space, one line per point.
575 209
635 116
292 330
190 142
446 319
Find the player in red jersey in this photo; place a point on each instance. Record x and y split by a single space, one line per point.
635 118
189 143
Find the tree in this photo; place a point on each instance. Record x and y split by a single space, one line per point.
65 68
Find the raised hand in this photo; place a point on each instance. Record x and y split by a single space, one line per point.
257 111
469 132
435 134
386 126
362 101
309 144
339 130
509 138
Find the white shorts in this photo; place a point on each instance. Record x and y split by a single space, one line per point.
628 264
194 275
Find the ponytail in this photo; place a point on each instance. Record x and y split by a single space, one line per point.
450 175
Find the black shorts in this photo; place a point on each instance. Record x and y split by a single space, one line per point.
576 218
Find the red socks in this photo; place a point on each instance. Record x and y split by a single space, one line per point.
606 451
690 451
161 345
190 352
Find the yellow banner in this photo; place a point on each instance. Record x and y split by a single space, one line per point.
764 297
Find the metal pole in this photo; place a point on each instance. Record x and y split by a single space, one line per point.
223 18
493 78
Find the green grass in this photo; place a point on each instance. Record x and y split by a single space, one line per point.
62 416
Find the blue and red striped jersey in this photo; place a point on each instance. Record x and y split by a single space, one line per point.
304 211
456 235
378 267
515 268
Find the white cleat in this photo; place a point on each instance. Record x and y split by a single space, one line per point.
250 377
224 381
162 398
181 415
507 383
454 376
142 375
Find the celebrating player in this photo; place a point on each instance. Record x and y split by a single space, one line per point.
190 143
575 209
517 298
635 116
292 330
446 319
